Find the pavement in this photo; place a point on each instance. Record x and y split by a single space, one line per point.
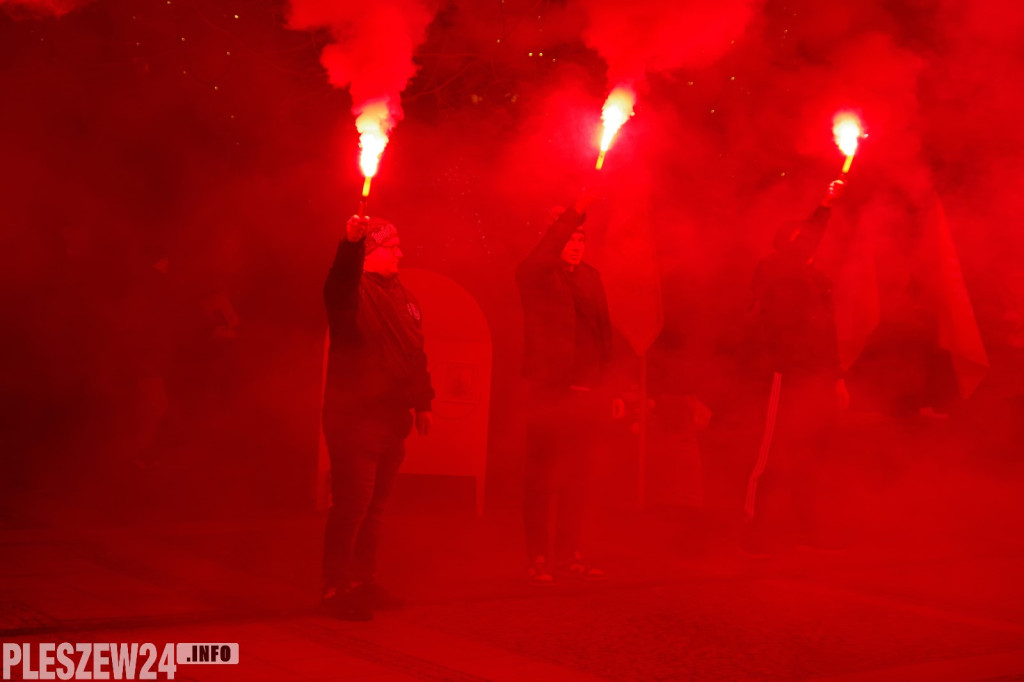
929 588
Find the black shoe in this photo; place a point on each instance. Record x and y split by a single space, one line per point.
379 599
538 574
578 569
349 604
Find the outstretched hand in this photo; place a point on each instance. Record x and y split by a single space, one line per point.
835 190
355 228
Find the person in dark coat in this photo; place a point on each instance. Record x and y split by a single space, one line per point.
567 347
793 301
377 388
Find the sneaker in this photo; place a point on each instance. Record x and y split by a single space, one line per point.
538 573
379 599
578 569
328 596
349 604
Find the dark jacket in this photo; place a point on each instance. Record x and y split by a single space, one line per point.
376 359
557 304
793 300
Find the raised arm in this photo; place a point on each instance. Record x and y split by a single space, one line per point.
816 223
549 249
343 277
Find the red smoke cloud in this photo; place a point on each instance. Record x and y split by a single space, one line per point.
373 44
41 8
639 37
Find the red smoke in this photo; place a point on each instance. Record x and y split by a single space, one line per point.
373 44
636 38
41 8
501 124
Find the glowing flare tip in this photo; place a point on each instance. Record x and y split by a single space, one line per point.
847 131
616 111
373 123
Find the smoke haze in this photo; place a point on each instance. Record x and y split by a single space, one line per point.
206 134
649 37
372 45
41 8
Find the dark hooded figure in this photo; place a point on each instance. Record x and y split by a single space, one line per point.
377 388
793 301
567 346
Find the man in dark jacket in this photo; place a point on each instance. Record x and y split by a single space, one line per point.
567 348
376 380
793 300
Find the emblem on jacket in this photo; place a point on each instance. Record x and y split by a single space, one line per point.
414 310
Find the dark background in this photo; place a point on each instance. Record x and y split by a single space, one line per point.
204 136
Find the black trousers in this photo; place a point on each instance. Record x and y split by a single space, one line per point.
366 453
563 427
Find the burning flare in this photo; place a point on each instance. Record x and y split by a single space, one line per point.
617 110
847 130
373 123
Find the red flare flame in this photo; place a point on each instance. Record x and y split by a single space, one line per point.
617 110
374 123
847 130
